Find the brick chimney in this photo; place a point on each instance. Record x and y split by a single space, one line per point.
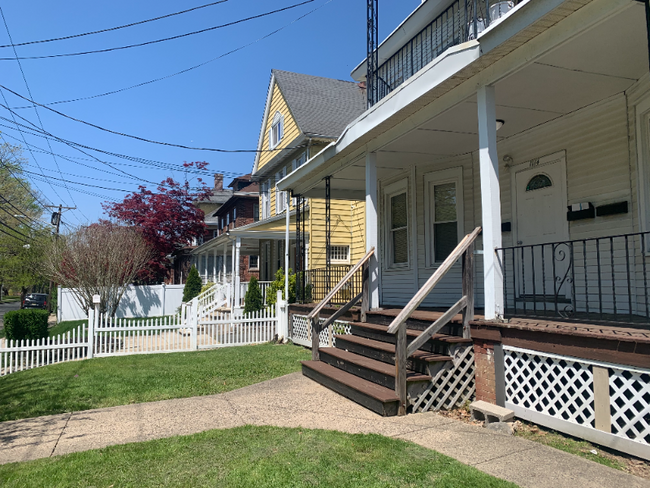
218 181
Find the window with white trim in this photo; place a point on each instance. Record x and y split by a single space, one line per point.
266 199
253 262
443 213
280 196
340 254
276 132
397 224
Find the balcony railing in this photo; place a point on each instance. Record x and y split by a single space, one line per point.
600 279
461 21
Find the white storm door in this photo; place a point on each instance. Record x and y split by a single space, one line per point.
541 208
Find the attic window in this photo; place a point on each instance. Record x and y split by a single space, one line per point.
277 130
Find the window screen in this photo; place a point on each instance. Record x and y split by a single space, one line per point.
445 226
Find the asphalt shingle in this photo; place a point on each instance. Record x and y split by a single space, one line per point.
321 106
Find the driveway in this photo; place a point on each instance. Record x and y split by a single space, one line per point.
7 307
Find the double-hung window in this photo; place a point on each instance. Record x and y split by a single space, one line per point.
443 213
280 196
398 224
277 130
253 262
299 161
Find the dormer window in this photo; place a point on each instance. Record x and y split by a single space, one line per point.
277 130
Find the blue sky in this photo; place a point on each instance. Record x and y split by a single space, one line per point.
219 105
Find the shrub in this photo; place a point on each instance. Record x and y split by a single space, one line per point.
278 285
207 286
26 324
253 299
192 285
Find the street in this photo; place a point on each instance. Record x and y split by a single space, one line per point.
7 307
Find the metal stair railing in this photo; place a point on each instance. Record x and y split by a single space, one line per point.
465 249
314 316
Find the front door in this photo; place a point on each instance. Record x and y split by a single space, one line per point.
541 225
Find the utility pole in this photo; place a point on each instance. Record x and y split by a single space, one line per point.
56 220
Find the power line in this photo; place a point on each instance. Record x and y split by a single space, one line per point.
156 41
111 29
14 230
138 138
11 235
155 80
29 91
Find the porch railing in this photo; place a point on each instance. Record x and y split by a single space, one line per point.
403 351
364 295
319 281
598 279
461 21
264 288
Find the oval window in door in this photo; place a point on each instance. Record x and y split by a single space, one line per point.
538 182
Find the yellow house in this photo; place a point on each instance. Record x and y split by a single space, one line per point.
303 115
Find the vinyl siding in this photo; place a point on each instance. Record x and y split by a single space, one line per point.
598 171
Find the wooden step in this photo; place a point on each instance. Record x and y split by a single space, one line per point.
379 333
377 398
385 352
370 369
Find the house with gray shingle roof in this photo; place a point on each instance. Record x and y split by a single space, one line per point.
303 114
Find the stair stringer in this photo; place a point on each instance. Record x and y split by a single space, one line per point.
452 382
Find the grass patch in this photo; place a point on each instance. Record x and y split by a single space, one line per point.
107 382
63 327
254 456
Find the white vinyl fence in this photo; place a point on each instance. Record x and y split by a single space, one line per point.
138 301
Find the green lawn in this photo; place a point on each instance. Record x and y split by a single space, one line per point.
63 327
254 457
107 382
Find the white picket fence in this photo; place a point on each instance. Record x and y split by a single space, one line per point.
107 336
27 354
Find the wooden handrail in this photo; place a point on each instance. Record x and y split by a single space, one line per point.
340 284
435 278
466 304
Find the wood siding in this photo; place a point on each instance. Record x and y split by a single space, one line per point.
291 131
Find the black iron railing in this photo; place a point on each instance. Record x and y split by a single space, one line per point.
461 21
319 282
602 279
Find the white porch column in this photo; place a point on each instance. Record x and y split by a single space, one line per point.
214 265
204 260
235 265
224 268
286 248
372 227
490 202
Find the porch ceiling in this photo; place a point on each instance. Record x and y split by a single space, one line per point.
601 62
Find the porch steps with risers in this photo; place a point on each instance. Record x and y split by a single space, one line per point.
362 365
377 398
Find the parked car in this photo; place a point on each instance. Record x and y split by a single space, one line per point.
35 300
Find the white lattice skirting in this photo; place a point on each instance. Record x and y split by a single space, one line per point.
452 385
300 332
562 393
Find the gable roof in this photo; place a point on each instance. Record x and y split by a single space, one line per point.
321 106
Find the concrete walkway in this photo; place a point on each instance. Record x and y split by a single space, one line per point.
292 401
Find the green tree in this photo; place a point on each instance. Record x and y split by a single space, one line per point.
253 299
22 239
192 285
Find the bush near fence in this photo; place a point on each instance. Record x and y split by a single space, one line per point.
26 324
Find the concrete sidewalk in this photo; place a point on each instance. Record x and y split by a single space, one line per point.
293 401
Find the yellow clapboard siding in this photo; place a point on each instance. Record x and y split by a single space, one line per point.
291 131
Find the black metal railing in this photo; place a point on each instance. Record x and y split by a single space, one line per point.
601 279
318 283
461 21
